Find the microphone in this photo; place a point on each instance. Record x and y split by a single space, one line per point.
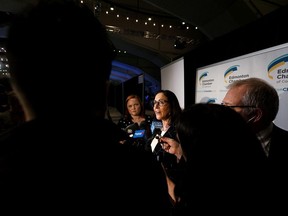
140 132
130 129
157 133
137 134
143 125
156 125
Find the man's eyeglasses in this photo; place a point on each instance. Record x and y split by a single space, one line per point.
238 106
159 102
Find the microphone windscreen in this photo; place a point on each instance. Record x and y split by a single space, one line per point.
157 131
131 128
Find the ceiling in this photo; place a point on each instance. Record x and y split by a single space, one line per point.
145 46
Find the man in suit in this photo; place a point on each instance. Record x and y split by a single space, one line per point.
258 103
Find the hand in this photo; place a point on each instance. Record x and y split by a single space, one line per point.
171 146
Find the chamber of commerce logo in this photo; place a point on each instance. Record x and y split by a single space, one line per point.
208 100
278 66
211 100
204 81
205 74
229 71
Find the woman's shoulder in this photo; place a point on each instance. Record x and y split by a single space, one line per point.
171 132
124 122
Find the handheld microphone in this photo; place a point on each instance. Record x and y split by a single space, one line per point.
130 129
143 125
156 125
157 133
142 131
139 134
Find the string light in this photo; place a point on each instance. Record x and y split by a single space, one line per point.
158 17
165 22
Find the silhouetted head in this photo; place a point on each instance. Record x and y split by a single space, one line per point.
60 58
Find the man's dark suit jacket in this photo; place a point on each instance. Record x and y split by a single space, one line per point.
277 180
278 153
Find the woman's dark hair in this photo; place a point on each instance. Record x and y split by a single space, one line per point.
215 131
173 103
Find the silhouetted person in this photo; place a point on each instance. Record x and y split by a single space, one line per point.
66 158
224 162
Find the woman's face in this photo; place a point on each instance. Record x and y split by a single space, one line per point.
161 107
134 107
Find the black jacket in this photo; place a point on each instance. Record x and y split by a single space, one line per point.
72 167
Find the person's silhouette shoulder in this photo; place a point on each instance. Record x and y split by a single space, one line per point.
66 157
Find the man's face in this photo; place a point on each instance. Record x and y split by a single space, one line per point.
234 98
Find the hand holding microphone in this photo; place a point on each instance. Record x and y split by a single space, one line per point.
171 146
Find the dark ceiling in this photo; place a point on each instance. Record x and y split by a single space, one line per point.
145 46
206 19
